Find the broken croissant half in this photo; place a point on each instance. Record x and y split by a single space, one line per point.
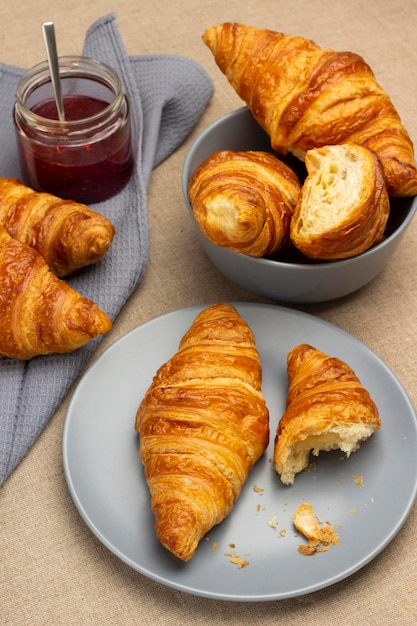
39 312
244 201
327 409
343 206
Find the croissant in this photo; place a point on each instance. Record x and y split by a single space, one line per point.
40 313
327 408
202 424
67 234
344 206
306 97
244 201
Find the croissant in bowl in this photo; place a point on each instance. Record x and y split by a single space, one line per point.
306 97
343 206
244 201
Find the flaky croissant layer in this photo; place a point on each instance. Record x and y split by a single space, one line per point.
68 235
40 313
306 97
203 424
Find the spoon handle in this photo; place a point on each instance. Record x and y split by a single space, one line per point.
48 31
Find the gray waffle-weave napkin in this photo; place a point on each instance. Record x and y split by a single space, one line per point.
167 96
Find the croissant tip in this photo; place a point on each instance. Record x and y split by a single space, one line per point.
172 535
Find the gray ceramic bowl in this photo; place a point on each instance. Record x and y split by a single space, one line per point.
290 281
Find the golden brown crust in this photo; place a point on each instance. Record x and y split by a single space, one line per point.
343 206
67 234
203 424
327 408
307 97
39 313
244 201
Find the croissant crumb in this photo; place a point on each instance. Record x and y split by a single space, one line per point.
320 536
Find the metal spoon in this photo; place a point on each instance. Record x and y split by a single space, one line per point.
48 31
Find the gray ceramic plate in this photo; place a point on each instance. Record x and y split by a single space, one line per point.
105 476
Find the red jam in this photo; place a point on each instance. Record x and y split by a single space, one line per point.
88 157
75 107
88 173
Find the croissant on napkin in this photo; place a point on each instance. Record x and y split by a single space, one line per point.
306 97
327 409
244 201
67 234
343 206
40 313
202 424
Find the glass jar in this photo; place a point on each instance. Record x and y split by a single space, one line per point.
88 157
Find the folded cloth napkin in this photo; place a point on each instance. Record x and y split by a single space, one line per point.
167 95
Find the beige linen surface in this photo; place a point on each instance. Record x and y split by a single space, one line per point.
53 570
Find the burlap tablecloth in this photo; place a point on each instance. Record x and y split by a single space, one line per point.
53 569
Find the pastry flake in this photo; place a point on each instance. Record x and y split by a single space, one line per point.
320 536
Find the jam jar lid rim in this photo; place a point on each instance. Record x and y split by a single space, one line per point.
84 62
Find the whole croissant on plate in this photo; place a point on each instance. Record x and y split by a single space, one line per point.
67 234
203 424
343 206
306 97
327 409
244 201
40 313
